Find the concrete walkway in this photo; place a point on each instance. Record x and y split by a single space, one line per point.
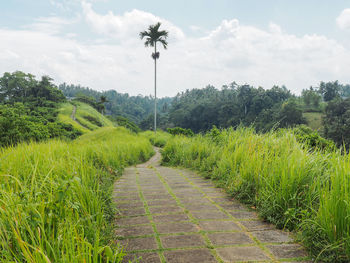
173 215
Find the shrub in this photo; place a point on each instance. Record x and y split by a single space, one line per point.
180 131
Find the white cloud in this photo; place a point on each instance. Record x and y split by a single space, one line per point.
229 52
343 20
50 25
126 26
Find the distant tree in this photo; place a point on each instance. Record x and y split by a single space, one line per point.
329 90
21 87
345 91
290 115
153 35
102 102
337 121
311 97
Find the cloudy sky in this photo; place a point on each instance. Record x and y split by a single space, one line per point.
95 43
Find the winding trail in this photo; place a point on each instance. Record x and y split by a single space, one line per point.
174 215
72 116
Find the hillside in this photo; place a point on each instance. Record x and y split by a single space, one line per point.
82 116
135 108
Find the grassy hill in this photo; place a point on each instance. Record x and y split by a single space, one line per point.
86 117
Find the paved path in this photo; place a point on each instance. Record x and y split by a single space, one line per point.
173 215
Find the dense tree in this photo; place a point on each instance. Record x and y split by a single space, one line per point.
290 115
311 97
200 109
337 121
28 109
22 87
345 91
329 90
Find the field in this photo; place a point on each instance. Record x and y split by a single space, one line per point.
56 196
290 186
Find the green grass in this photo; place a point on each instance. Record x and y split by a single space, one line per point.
159 139
290 186
314 120
87 117
55 197
84 111
64 115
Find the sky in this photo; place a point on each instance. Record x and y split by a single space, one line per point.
96 44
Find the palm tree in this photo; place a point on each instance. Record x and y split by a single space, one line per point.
153 35
103 100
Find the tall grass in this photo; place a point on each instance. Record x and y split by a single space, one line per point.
158 139
289 185
55 197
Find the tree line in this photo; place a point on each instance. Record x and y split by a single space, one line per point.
28 108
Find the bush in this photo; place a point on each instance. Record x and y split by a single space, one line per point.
125 122
180 131
93 120
312 140
18 124
159 139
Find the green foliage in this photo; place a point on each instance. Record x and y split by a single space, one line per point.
65 116
311 97
148 122
98 105
291 186
56 203
200 109
329 90
159 139
18 124
290 115
28 110
312 139
21 87
90 118
135 108
125 122
93 120
180 131
337 122
314 120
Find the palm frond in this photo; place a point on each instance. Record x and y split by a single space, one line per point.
153 35
164 43
144 34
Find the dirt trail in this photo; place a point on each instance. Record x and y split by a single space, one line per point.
174 215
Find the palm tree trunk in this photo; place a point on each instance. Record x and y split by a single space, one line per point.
155 88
